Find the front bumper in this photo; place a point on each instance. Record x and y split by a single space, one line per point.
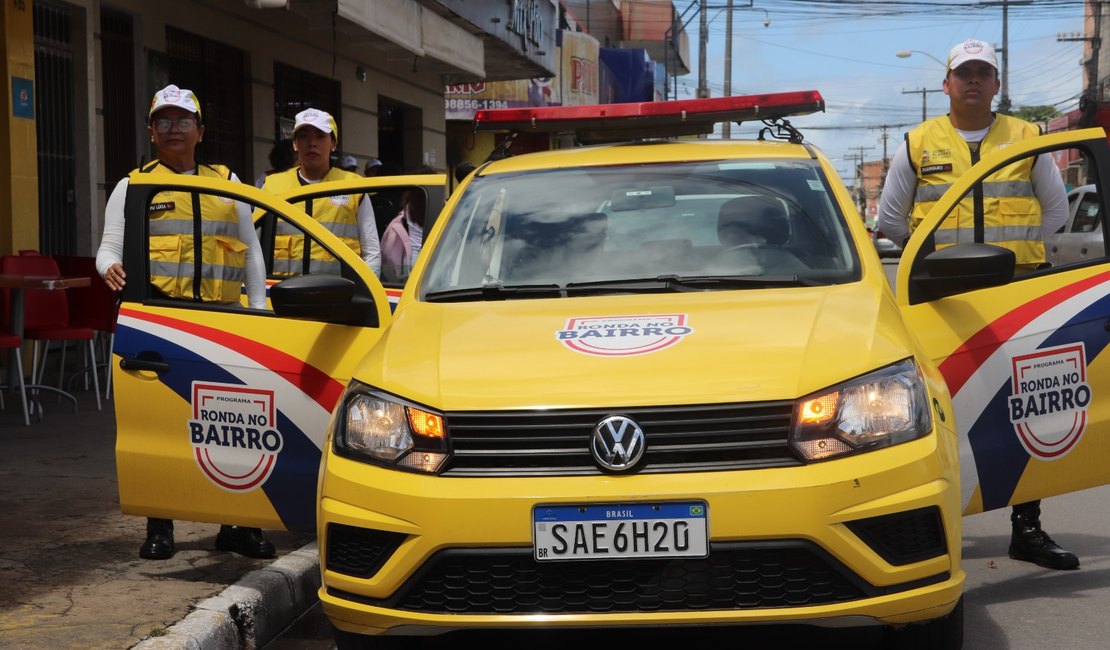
869 538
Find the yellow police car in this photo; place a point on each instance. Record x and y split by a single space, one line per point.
647 382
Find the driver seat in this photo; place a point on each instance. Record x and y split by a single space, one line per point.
752 220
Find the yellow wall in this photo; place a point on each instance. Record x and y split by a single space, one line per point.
19 200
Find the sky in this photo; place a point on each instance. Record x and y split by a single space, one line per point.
847 50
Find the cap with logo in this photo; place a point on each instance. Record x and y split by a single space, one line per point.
971 50
317 119
171 95
348 162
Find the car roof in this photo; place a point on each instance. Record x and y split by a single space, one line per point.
665 151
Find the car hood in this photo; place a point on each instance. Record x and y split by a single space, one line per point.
636 350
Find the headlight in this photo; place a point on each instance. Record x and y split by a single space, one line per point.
879 409
377 427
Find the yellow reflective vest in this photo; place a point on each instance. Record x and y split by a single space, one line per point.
210 268
338 213
1001 210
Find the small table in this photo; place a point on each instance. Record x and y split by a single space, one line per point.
18 284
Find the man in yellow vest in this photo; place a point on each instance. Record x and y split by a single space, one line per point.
350 217
1017 207
230 256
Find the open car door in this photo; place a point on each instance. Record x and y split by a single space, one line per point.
1025 357
222 410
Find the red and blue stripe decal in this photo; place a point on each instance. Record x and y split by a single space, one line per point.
979 376
304 395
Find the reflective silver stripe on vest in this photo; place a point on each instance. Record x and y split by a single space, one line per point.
991 190
348 230
294 267
220 272
994 234
185 227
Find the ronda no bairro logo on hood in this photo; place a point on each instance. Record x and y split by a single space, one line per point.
1049 399
233 436
623 336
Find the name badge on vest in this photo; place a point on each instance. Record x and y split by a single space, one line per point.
936 169
161 205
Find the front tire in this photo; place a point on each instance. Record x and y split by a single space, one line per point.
944 633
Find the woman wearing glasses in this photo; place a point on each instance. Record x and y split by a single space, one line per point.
230 255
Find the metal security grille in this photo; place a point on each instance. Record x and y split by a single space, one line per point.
117 56
54 129
217 74
707 437
296 90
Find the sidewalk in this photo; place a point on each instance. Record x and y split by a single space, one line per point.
69 567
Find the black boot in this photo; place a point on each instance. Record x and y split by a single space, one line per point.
159 540
1031 544
244 541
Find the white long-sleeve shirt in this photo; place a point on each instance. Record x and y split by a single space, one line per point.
896 201
111 244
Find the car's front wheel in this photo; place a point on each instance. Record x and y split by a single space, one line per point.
945 633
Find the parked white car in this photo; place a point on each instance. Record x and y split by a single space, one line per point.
1081 238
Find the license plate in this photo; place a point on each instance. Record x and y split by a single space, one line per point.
607 531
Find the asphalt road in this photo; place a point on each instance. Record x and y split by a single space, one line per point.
1008 604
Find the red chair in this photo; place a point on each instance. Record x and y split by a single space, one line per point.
94 306
14 344
46 316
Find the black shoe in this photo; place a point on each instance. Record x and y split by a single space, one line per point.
244 541
1029 543
159 540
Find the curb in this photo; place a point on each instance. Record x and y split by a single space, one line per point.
251 612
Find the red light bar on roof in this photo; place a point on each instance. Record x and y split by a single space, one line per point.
680 116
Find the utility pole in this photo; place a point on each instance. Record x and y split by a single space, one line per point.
1004 97
923 91
1088 103
861 191
703 39
726 128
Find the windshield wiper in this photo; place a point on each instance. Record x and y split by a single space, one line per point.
496 291
679 283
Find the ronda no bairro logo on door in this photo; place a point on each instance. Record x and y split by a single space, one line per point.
233 436
623 336
1049 399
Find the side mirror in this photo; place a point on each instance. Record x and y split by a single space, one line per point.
963 267
325 298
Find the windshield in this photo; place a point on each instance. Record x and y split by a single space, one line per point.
677 227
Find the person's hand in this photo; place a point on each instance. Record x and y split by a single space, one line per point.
115 277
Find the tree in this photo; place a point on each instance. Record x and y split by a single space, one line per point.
1036 113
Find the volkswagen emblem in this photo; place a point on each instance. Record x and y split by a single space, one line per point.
618 443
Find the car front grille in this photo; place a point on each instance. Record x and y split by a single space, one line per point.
359 552
679 439
735 576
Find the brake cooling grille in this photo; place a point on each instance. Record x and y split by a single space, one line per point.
734 576
679 438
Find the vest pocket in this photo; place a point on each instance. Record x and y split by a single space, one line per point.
169 271
228 270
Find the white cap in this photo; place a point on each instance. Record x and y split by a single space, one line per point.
316 118
171 95
971 50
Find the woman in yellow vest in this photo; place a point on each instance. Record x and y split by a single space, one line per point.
230 253
350 217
